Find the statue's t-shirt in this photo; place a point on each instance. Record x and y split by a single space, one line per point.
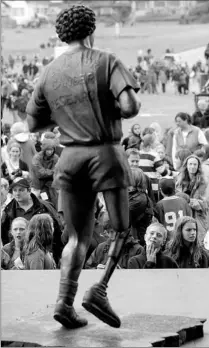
78 91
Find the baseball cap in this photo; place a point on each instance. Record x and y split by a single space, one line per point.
20 182
167 185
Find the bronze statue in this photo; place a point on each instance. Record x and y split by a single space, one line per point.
86 92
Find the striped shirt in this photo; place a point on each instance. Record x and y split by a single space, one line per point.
149 163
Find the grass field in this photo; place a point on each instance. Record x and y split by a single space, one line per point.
159 37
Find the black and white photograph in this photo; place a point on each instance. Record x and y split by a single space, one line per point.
104 173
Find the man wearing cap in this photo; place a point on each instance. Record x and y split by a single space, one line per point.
171 207
86 92
25 204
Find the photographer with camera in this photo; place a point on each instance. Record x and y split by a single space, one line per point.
13 166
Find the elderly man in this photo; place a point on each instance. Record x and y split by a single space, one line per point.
200 118
152 256
86 92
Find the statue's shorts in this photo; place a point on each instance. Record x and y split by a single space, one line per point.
92 168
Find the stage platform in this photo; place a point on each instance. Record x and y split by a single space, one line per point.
157 308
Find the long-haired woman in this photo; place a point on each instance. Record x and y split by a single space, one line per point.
191 181
15 249
38 244
185 248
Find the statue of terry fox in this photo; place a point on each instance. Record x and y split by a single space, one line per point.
86 92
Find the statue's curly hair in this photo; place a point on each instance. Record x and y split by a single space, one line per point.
75 23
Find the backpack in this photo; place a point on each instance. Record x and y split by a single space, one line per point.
139 205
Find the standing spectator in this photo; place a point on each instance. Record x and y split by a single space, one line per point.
13 166
182 83
171 207
20 133
186 135
38 245
200 118
163 79
20 105
152 256
15 248
185 248
191 181
42 171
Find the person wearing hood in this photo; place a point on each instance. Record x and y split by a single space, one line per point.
134 139
43 165
20 133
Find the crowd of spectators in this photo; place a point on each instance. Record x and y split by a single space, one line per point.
154 74
168 199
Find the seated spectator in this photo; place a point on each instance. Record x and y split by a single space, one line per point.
200 154
207 134
141 207
13 166
191 181
98 258
185 248
205 164
180 157
134 140
125 141
5 195
26 204
152 256
59 148
42 170
133 160
158 132
206 241
38 244
171 207
151 164
160 149
14 249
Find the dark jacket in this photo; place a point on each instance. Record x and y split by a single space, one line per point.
186 260
5 174
162 261
42 172
200 120
100 254
39 207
